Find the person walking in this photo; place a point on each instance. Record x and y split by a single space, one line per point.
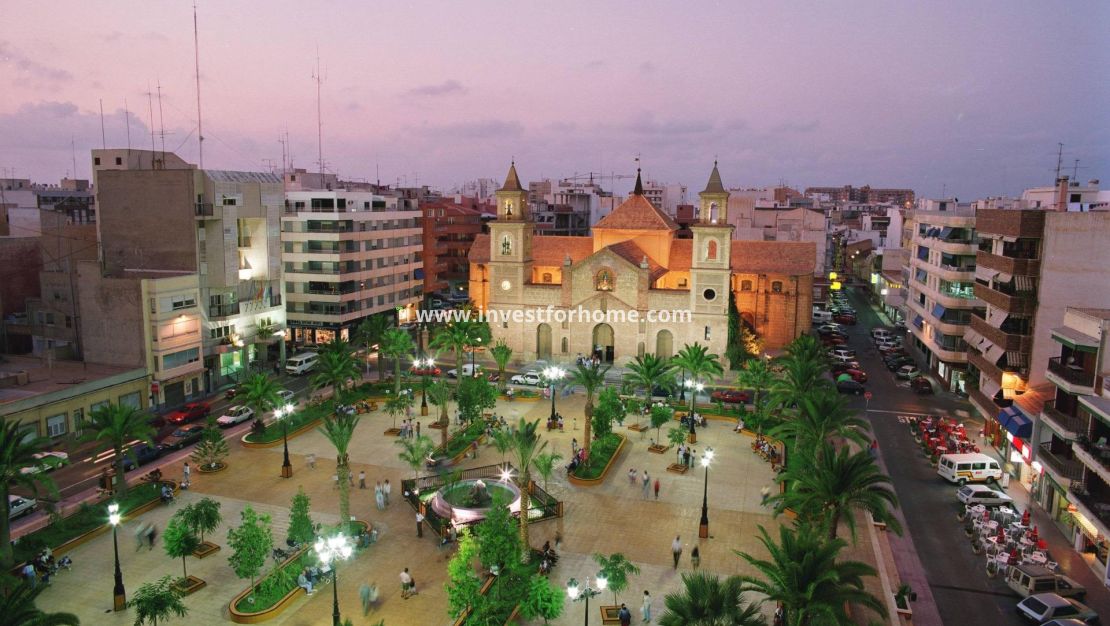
764 493
676 550
656 488
151 535
646 480
418 429
385 492
362 479
645 608
695 558
379 499
140 535
419 524
624 615
368 593
682 454
873 449
186 473
406 584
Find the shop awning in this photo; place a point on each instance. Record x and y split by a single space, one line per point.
1015 422
945 232
985 274
1074 339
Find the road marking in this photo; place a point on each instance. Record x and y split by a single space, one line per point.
900 412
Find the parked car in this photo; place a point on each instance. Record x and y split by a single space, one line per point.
1031 579
832 341
837 367
191 412
880 333
898 362
19 506
908 372
850 386
425 371
845 318
823 328
47 461
982 494
285 396
140 454
730 396
857 375
922 385
467 370
1065 621
235 415
184 436
531 377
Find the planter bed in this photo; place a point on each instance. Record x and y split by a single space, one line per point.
206 548
189 585
204 469
658 449
594 473
459 444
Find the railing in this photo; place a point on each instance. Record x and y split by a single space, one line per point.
223 310
1097 504
203 209
1070 423
1067 467
1071 373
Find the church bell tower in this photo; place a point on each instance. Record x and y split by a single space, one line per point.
710 269
510 259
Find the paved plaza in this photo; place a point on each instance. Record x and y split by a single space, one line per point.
612 517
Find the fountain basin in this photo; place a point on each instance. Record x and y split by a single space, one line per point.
468 501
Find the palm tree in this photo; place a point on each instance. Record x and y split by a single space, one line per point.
706 600
397 344
369 334
18 607
526 445
699 362
415 451
114 427
335 367
339 429
501 355
799 379
756 375
456 337
834 484
502 442
17 455
545 464
802 573
649 373
592 378
260 394
822 416
439 394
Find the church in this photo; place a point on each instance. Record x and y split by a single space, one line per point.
647 290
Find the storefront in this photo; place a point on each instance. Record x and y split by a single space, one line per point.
1053 498
1017 430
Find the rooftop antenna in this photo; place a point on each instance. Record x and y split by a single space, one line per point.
281 140
103 140
127 121
1059 159
319 78
196 64
73 155
150 106
378 174
161 120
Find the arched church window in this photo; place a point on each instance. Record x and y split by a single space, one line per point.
711 250
506 245
776 286
604 280
508 209
745 285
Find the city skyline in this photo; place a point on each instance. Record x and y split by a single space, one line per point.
941 98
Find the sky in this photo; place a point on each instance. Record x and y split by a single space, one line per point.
966 99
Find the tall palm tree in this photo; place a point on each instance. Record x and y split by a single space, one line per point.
335 367
822 416
260 394
369 334
415 451
806 348
834 484
439 394
501 354
544 465
592 378
338 429
453 338
114 427
649 373
526 445
756 375
799 379
802 572
18 607
16 456
397 344
699 363
707 600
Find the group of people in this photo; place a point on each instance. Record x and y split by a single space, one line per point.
410 428
686 455
699 419
381 493
577 457
145 535
766 450
167 494
310 577
43 566
625 615
555 422
548 558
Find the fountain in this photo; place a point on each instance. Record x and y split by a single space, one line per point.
467 501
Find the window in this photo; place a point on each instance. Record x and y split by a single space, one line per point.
707 333
547 277
745 285
131 400
119 161
776 286
221 332
96 161
177 359
182 302
565 345
711 250
97 405
56 425
709 294
78 420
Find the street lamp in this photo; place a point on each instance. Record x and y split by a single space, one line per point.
695 387
703 527
333 549
577 593
473 349
553 374
119 595
281 414
423 365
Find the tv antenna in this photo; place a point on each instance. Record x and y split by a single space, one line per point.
319 78
1059 159
127 122
196 65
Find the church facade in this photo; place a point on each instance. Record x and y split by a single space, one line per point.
633 287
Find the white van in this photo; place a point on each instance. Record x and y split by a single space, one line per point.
963 468
468 370
820 317
301 363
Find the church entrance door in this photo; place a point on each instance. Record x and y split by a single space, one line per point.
603 343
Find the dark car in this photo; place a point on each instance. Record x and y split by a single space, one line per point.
662 392
850 386
921 385
140 455
731 396
845 318
830 341
896 364
838 367
189 413
184 436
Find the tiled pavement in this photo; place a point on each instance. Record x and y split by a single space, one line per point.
613 517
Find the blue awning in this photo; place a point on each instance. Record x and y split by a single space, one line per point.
918 321
920 275
1015 422
419 273
945 232
922 253
938 311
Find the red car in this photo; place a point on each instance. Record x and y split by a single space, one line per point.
845 319
189 413
857 375
921 385
731 396
833 340
425 371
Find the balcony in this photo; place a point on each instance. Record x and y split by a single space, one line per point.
1007 265
988 407
1092 500
1000 338
203 209
981 363
1068 426
1072 377
1063 466
223 310
1019 305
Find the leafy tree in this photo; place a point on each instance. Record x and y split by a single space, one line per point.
545 465
799 379
398 404
338 429
397 344
649 373
661 414
369 334
114 427
475 396
212 449
260 394
278 580
501 354
676 435
415 451
157 601
542 600
336 367
632 406
592 379
463 583
180 541
738 350
706 600
833 484
802 572
616 568
439 394
17 605
251 542
498 540
526 445
202 516
608 408
301 528
16 455
699 362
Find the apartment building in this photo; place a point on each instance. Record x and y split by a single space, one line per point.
53 313
865 194
941 303
449 228
348 255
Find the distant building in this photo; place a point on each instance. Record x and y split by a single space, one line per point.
449 230
865 194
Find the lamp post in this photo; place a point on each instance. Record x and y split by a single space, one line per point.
423 365
586 592
695 387
119 595
473 349
682 388
703 527
553 374
332 550
282 414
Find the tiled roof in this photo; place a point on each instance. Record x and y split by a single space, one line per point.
546 249
637 213
512 181
778 257
714 185
634 254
